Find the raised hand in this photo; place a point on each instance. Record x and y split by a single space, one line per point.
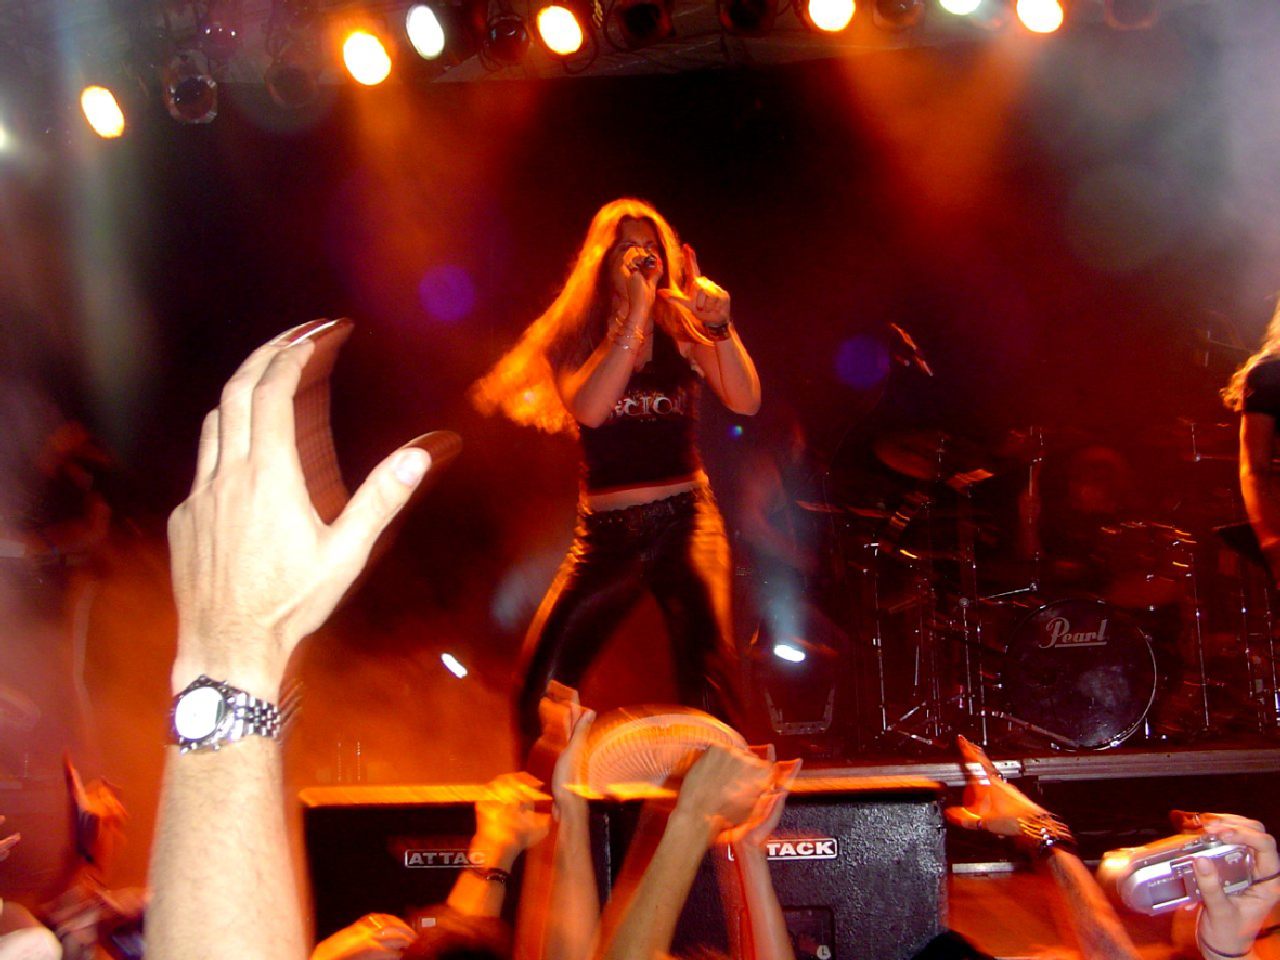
8 843
722 788
1228 925
997 806
506 822
375 936
254 567
701 298
764 816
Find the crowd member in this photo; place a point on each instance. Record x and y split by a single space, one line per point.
255 570
727 795
617 360
1226 927
507 824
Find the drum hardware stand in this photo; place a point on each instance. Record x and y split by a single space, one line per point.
1055 738
1197 625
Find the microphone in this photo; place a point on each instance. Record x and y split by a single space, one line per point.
646 262
913 358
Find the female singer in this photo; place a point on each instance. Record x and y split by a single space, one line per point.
618 359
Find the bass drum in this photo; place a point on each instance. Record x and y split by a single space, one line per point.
1081 670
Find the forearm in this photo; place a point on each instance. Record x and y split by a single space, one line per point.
221 845
1089 915
1262 505
591 392
575 906
734 372
649 918
477 893
766 926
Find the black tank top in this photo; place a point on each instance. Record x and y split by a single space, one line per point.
649 436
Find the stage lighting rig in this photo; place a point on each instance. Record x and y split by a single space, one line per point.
748 18
826 16
187 86
1040 16
633 24
292 42
365 56
506 38
564 27
896 15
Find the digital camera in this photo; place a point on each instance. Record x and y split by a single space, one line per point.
1158 877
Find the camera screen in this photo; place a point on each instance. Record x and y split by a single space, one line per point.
1166 891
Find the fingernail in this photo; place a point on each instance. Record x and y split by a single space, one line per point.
318 330
410 466
443 446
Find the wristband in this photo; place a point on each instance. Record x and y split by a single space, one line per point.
492 874
719 331
1206 948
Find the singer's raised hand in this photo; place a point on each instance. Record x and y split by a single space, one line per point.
703 298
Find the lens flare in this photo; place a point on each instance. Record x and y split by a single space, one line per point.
424 30
366 58
831 15
102 112
1040 16
560 30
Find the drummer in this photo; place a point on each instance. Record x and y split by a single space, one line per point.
1254 393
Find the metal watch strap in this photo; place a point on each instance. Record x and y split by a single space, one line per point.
254 718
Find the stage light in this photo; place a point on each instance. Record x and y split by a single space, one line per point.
1130 14
189 91
506 39
453 665
897 14
829 16
559 30
102 112
291 85
960 8
425 31
748 18
788 652
641 22
1040 16
366 58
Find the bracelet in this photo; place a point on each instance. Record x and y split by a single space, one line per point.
1267 879
1206 948
495 874
623 337
719 331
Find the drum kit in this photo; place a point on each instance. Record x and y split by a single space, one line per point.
1010 595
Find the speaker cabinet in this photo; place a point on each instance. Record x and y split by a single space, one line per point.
858 863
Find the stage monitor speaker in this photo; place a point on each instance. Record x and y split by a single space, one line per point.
858 863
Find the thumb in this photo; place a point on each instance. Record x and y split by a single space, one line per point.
387 489
1210 886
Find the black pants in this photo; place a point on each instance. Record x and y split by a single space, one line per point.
676 549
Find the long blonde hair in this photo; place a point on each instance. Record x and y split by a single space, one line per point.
522 384
1233 392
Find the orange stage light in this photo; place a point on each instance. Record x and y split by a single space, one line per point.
102 111
559 30
830 16
1040 16
366 58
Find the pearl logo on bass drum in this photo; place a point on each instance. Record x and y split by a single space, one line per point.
1058 633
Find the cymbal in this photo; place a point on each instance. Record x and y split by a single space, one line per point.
928 454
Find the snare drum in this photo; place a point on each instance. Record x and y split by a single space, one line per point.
1082 670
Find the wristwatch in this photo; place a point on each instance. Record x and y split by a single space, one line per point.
208 715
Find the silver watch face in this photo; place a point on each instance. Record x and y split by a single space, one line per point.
198 713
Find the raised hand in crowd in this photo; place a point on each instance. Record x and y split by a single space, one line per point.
1228 925
375 936
720 791
996 806
255 570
